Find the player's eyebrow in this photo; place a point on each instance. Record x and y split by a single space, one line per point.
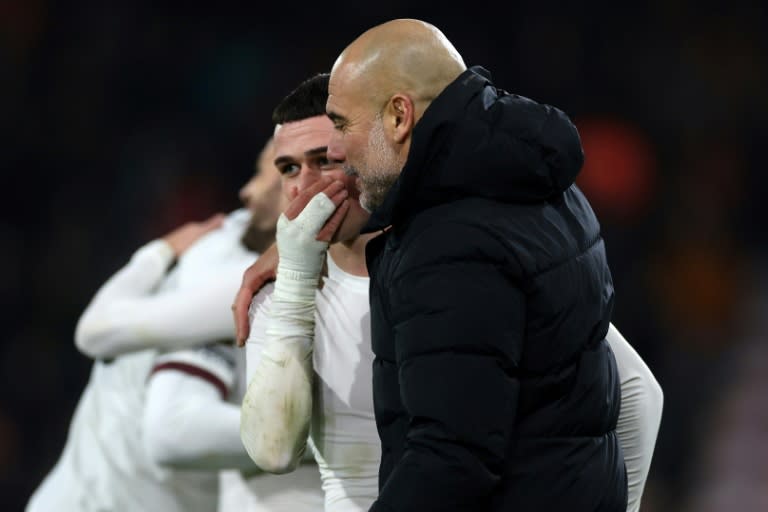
316 151
308 153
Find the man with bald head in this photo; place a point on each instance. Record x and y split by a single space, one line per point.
494 387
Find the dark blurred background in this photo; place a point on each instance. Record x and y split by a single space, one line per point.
121 120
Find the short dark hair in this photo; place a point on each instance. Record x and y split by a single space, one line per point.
305 101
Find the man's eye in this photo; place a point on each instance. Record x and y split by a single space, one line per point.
326 165
288 169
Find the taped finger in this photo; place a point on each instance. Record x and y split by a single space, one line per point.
316 213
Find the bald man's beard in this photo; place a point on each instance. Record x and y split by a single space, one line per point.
381 169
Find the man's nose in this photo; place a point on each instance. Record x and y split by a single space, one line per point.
307 177
243 195
335 151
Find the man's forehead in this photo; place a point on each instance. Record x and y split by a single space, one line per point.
318 127
332 107
340 92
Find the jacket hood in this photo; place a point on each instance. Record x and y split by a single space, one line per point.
475 140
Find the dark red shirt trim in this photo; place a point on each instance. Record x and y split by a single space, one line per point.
195 371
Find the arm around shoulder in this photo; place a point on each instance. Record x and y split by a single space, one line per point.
99 328
642 402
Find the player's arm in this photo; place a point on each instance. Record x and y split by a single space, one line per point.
178 318
187 422
255 277
277 405
457 378
642 401
127 315
138 278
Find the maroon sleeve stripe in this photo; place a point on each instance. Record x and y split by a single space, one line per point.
195 371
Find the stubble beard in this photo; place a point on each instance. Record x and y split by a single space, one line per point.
382 169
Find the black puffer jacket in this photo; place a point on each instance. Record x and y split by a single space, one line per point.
494 388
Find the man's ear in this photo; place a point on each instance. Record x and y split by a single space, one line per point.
401 114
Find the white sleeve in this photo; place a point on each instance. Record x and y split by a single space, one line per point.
639 417
139 277
277 406
187 423
127 315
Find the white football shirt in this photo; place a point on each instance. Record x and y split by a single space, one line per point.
104 465
343 431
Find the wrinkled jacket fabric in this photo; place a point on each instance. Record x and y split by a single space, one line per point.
494 388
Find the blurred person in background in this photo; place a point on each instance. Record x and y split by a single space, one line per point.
311 348
157 421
